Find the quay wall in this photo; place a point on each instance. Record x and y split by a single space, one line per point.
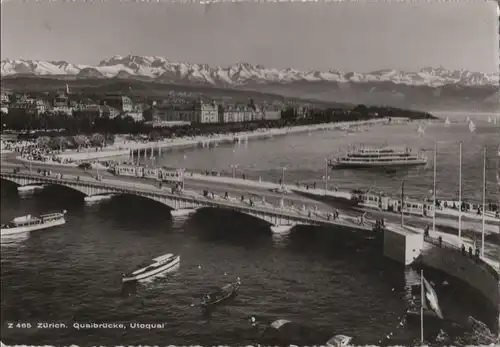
258 134
468 269
407 246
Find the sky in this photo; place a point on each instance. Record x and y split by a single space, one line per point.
357 36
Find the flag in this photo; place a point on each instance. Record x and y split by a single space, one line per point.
430 299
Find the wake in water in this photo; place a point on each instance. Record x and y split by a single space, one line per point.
14 240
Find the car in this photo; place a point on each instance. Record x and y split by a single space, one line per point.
84 166
281 190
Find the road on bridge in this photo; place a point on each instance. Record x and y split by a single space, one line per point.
191 183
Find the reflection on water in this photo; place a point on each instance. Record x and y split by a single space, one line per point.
280 240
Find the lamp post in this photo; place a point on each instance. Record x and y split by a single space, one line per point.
282 201
326 177
484 202
283 177
182 175
234 167
183 169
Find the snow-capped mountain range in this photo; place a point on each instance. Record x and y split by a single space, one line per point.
160 69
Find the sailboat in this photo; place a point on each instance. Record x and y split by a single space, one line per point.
489 119
472 126
467 120
421 129
447 121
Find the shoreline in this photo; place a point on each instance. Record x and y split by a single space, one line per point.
133 147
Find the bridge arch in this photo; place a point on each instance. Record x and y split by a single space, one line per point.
277 224
156 200
234 211
279 219
21 183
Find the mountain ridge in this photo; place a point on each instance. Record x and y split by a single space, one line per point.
241 74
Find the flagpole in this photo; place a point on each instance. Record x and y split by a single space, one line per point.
460 200
402 201
422 298
484 201
434 207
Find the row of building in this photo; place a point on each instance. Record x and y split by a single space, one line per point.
157 112
71 105
210 112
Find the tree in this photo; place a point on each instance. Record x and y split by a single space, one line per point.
43 141
110 139
97 140
154 136
56 143
80 140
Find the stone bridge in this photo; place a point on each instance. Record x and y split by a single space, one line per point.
281 220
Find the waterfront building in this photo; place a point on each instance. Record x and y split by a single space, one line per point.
80 103
61 104
28 106
272 114
135 115
119 102
237 113
109 112
207 112
193 112
86 108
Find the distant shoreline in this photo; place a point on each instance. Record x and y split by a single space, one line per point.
126 148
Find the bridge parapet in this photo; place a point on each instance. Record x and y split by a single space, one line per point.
271 214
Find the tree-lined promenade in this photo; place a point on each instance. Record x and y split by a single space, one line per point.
70 126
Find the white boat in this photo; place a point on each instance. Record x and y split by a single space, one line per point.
447 121
281 229
182 212
30 188
30 223
279 323
339 341
161 264
489 119
95 198
378 157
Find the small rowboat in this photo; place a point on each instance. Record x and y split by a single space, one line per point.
222 294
